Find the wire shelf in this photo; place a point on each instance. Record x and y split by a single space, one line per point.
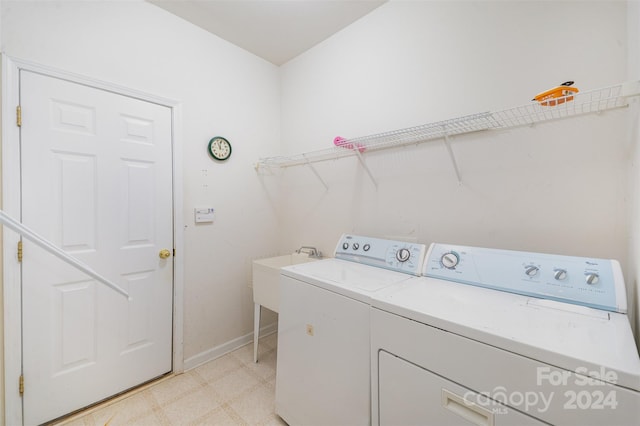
576 104
391 139
572 105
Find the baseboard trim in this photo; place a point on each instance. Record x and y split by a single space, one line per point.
225 348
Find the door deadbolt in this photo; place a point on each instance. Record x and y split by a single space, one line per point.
164 253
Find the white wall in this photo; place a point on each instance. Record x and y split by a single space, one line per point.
559 187
223 91
633 276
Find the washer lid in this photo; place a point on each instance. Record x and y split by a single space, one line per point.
348 278
576 338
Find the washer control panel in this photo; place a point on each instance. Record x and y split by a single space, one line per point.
596 283
390 254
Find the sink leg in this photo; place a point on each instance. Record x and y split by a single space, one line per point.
256 330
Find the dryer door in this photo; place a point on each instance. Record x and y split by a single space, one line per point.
410 395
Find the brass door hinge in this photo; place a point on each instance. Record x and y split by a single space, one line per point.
21 385
20 251
19 116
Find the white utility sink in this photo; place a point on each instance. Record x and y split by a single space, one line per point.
266 286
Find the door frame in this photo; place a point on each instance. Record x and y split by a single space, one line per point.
11 189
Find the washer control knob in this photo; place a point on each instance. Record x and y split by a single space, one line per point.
559 274
356 246
591 278
345 246
531 270
403 254
366 247
450 260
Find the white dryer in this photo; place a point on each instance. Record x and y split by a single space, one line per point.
552 345
323 371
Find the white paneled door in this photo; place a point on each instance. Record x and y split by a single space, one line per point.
97 182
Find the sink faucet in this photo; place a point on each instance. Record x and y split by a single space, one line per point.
311 251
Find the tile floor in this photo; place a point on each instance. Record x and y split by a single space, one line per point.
231 390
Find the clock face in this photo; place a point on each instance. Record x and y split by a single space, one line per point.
219 148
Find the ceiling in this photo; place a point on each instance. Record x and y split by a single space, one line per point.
276 30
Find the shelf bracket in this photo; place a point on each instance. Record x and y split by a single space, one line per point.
452 156
356 149
315 172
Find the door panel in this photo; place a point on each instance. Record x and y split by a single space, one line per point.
77 175
97 182
74 344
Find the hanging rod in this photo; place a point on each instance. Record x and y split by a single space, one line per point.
582 103
13 224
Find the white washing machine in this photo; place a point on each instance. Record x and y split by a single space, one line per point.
495 337
323 371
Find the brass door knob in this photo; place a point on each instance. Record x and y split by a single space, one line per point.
164 253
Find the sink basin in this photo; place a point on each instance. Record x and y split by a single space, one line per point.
266 278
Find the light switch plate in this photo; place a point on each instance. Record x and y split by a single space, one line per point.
203 214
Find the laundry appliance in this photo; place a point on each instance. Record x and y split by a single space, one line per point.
323 371
498 337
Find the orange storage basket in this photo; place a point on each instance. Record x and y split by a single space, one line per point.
556 96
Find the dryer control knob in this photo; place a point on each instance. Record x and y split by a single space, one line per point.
403 254
345 246
450 260
559 274
531 270
591 278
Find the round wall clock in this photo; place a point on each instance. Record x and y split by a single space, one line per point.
220 148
